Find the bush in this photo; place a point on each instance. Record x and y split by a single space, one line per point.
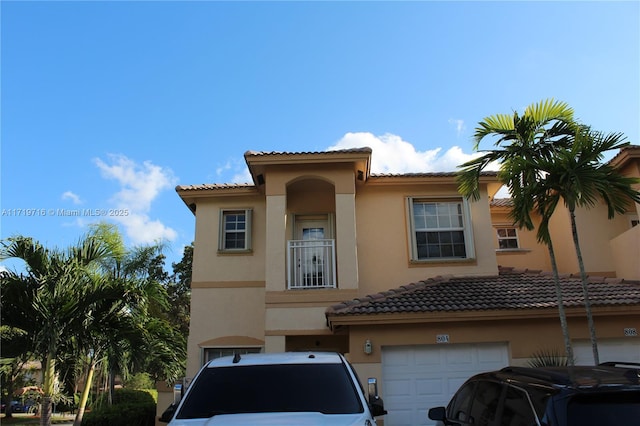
139 381
549 358
130 408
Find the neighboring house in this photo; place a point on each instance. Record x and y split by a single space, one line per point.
610 248
415 283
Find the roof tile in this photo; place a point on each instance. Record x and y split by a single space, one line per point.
510 289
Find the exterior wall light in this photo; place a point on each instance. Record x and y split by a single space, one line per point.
368 348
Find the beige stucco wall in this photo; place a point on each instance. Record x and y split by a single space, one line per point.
532 255
595 232
382 238
296 319
623 248
222 283
218 312
208 264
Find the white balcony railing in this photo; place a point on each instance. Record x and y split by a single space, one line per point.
311 264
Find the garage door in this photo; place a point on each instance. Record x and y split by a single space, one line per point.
416 378
626 350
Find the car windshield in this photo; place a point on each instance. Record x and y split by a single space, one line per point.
619 408
324 388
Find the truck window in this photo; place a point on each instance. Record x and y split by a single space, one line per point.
324 388
611 408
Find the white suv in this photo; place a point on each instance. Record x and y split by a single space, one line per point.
292 388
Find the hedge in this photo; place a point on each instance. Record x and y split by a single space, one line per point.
130 408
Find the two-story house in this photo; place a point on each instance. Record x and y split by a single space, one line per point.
419 286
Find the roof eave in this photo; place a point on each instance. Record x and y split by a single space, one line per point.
257 162
336 320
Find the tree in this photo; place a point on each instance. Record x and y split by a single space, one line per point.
577 176
52 299
14 356
139 339
179 291
96 303
523 141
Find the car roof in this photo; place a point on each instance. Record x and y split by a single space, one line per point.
576 377
277 359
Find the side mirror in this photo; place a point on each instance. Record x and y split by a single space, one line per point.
375 402
440 414
167 415
437 413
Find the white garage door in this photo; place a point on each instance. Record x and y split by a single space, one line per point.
626 350
416 378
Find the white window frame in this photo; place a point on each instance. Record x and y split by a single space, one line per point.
515 238
224 213
466 228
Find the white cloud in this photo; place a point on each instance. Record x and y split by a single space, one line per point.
242 176
239 170
223 168
140 186
68 195
460 127
391 154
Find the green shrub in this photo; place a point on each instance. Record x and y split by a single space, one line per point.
130 408
140 381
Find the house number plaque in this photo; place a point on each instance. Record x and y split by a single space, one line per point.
442 338
630 332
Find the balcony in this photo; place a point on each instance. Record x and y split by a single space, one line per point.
311 264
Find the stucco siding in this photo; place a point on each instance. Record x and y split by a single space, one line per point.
383 239
208 263
216 312
623 248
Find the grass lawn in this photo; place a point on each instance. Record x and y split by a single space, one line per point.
30 419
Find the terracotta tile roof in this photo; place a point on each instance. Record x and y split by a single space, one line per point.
214 186
510 290
501 202
423 174
625 154
364 150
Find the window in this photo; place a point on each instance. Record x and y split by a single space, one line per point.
517 408
278 388
235 230
460 406
507 238
214 353
604 408
440 229
485 404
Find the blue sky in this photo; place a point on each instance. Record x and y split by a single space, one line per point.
107 106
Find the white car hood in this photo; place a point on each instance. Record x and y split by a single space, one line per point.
278 419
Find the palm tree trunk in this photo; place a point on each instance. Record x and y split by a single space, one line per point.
585 289
49 375
112 383
568 348
85 393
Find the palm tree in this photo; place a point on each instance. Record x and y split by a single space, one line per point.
51 299
122 343
522 141
110 325
578 177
